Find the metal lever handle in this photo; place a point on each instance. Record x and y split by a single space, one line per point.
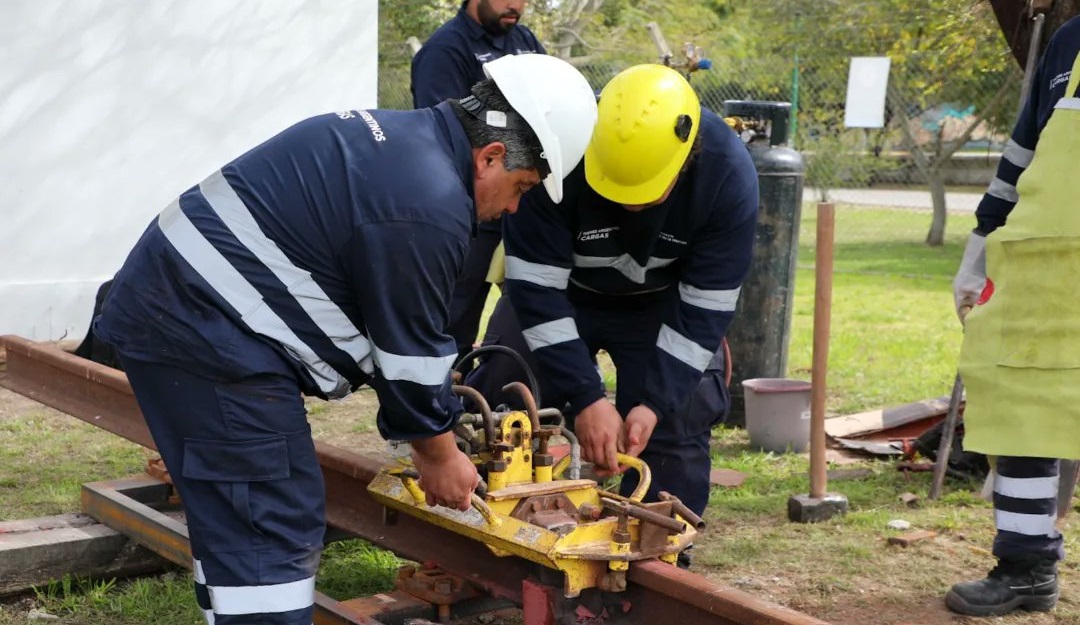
409 477
637 464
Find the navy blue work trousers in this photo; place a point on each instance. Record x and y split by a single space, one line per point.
678 451
242 458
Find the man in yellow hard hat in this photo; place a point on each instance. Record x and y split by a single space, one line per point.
643 258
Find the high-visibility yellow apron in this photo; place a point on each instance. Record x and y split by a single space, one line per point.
497 269
1021 354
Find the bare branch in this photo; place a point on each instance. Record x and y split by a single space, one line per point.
992 106
921 161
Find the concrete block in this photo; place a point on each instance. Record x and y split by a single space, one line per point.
807 509
35 551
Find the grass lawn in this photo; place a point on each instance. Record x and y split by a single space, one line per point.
894 340
894 333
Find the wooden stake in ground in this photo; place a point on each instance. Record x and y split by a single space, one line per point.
820 505
948 429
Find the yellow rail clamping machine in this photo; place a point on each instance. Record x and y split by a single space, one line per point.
530 510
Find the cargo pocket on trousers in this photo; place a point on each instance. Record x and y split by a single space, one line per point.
1039 330
229 468
708 406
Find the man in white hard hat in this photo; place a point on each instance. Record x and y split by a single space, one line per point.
318 261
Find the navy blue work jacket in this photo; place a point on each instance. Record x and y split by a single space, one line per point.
451 60
1047 87
328 252
696 246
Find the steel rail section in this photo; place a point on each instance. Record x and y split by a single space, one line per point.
657 592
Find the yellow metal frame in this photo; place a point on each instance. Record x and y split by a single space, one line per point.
588 554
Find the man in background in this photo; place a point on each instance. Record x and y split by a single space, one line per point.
448 64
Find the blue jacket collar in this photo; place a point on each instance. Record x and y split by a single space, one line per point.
461 148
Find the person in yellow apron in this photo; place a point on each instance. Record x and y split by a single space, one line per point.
1021 353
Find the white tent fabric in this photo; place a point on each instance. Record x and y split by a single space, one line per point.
111 108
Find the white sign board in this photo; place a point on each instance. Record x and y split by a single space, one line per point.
868 80
111 108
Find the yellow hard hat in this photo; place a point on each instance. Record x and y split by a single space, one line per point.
647 121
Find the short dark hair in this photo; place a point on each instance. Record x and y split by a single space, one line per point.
523 149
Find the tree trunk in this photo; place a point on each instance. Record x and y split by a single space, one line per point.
1012 17
574 15
929 165
936 181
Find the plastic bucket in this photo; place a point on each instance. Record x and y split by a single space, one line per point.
778 414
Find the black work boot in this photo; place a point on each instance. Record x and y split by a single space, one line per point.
1030 584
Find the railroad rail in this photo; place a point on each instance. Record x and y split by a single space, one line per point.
656 592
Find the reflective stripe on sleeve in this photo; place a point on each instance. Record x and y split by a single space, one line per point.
543 275
721 300
1003 190
682 348
551 333
1017 155
426 370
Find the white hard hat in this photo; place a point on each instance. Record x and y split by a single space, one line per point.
557 103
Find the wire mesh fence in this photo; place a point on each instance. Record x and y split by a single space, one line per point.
927 148
960 140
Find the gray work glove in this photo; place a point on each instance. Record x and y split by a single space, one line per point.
971 277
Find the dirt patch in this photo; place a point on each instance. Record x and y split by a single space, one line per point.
349 423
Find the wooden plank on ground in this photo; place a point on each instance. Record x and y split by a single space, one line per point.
859 424
36 551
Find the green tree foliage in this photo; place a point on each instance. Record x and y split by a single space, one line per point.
599 36
942 52
596 29
401 19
